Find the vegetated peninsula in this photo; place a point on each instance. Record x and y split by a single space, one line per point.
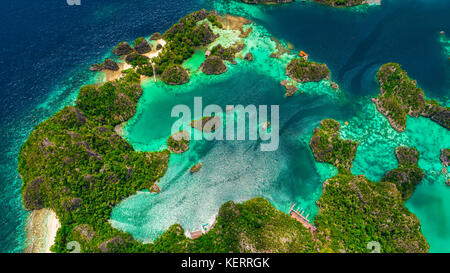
400 96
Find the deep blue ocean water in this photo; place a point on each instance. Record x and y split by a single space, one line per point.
47 49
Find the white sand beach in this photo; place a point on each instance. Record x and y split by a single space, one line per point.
42 226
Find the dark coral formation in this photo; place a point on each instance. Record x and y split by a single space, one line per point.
445 156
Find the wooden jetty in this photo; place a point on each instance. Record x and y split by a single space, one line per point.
298 215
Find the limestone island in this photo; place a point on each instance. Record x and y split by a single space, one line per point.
179 142
196 168
302 70
445 156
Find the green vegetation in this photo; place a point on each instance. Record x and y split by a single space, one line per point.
113 102
327 146
136 59
140 63
333 3
253 226
182 38
138 41
408 174
400 96
206 124
141 45
174 75
213 65
302 70
75 164
355 211
155 36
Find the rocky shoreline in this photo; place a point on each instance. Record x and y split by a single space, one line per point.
400 96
